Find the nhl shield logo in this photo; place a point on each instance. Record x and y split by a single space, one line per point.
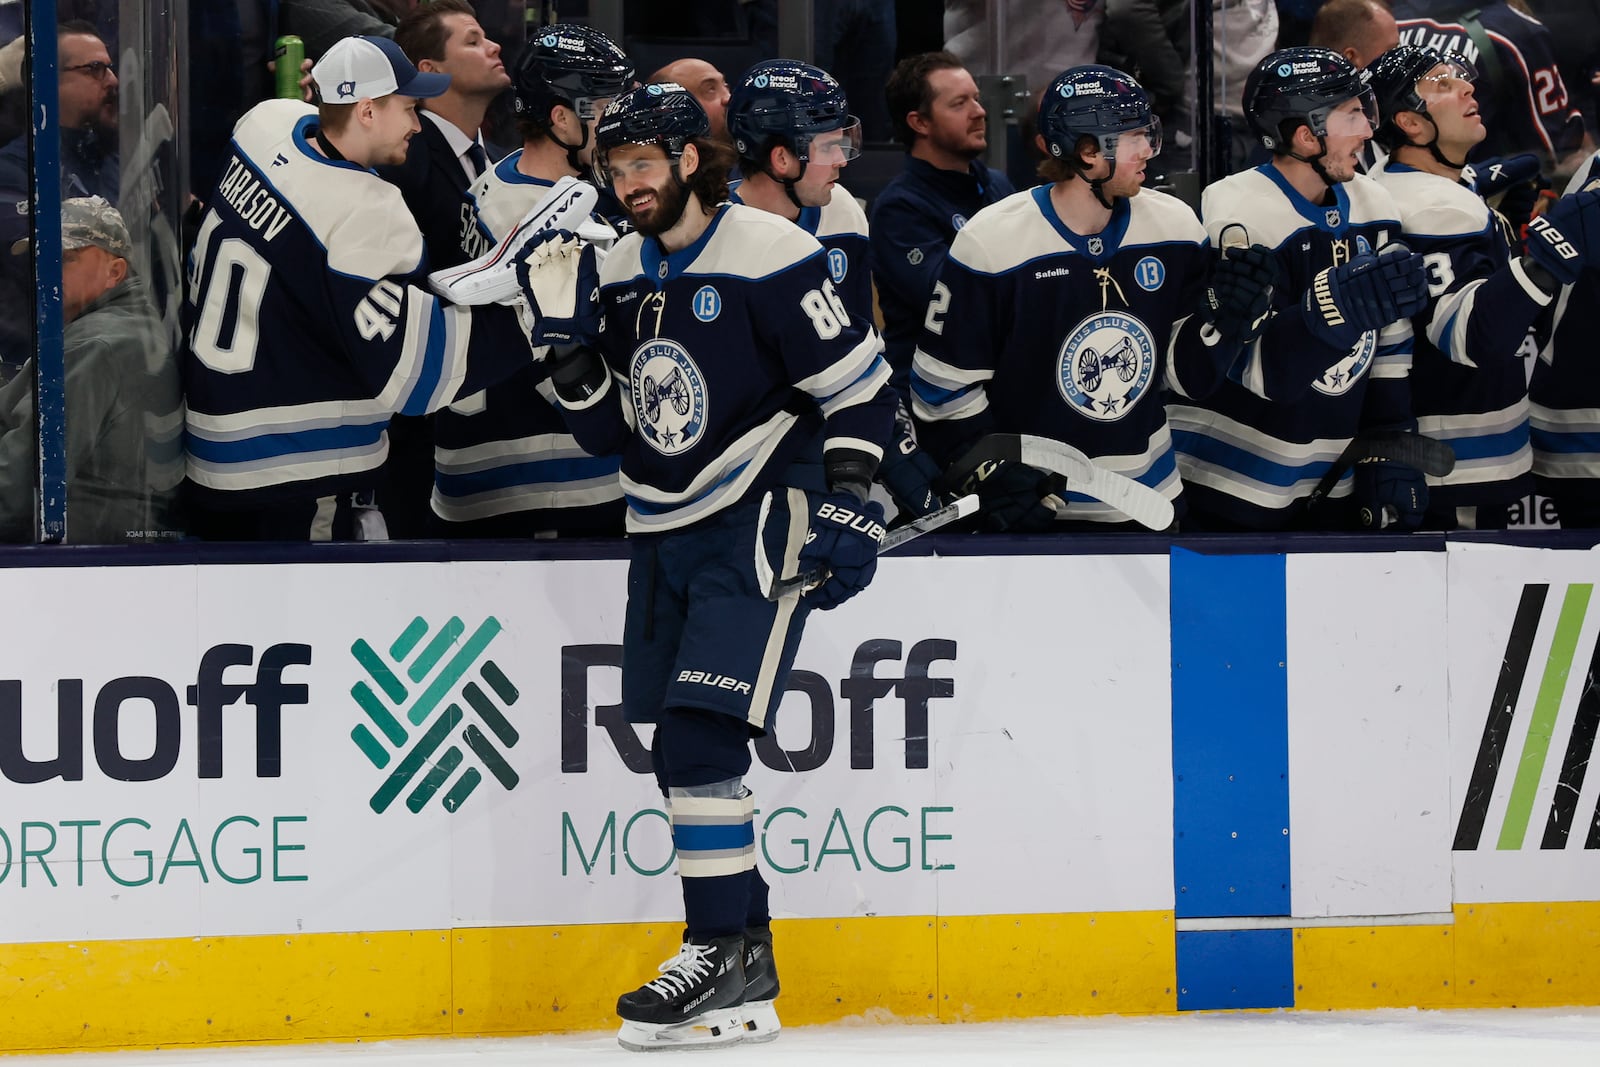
1096 246
1333 217
669 396
1106 365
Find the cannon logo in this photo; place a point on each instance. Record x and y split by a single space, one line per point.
418 696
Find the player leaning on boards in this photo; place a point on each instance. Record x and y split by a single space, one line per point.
1468 382
505 464
1335 357
309 322
794 133
751 412
1063 311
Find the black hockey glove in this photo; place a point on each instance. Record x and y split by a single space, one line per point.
1389 495
1566 238
561 285
1237 299
843 540
1011 496
1367 293
908 472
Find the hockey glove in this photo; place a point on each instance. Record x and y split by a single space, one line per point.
1367 293
908 472
843 540
1565 238
1512 185
1389 495
1011 496
1237 299
561 285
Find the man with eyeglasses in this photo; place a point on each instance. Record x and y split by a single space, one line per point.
88 118
1468 384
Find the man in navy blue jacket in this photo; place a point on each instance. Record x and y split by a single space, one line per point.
934 105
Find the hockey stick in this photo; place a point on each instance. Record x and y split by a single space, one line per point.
1134 499
1426 454
896 537
491 277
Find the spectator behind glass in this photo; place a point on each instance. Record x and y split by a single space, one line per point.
1520 92
88 113
1359 30
1575 33
707 84
124 458
1243 33
322 23
933 102
1042 39
855 43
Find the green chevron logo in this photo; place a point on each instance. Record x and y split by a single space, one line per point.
414 698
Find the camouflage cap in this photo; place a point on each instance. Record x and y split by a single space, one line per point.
89 221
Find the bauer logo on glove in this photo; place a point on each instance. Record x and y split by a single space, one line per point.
862 524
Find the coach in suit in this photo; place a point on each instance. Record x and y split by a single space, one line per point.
441 163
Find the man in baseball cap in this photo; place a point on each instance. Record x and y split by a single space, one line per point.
369 91
124 457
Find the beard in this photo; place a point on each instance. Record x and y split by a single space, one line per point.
670 201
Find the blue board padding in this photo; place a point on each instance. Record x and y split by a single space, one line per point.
1230 735
1235 969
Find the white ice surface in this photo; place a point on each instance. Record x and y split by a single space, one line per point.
1561 1037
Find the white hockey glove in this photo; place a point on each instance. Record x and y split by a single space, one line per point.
492 278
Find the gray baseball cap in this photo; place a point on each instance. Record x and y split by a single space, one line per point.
89 221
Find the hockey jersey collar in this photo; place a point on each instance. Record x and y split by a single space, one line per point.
506 170
1110 238
810 217
302 141
661 269
1327 219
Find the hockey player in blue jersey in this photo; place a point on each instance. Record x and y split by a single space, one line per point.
939 119
308 321
1064 311
505 464
794 133
1468 380
751 411
1264 451
1565 391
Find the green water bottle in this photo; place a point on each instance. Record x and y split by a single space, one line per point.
288 54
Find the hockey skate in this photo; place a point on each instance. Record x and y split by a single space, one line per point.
760 986
694 1004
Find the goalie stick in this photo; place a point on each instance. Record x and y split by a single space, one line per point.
491 278
1430 456
1134 499
896 537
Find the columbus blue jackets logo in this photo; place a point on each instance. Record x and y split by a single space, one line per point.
1106 365
669 396
838 264
1343 375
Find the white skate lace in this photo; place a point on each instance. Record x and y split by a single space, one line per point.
681 972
